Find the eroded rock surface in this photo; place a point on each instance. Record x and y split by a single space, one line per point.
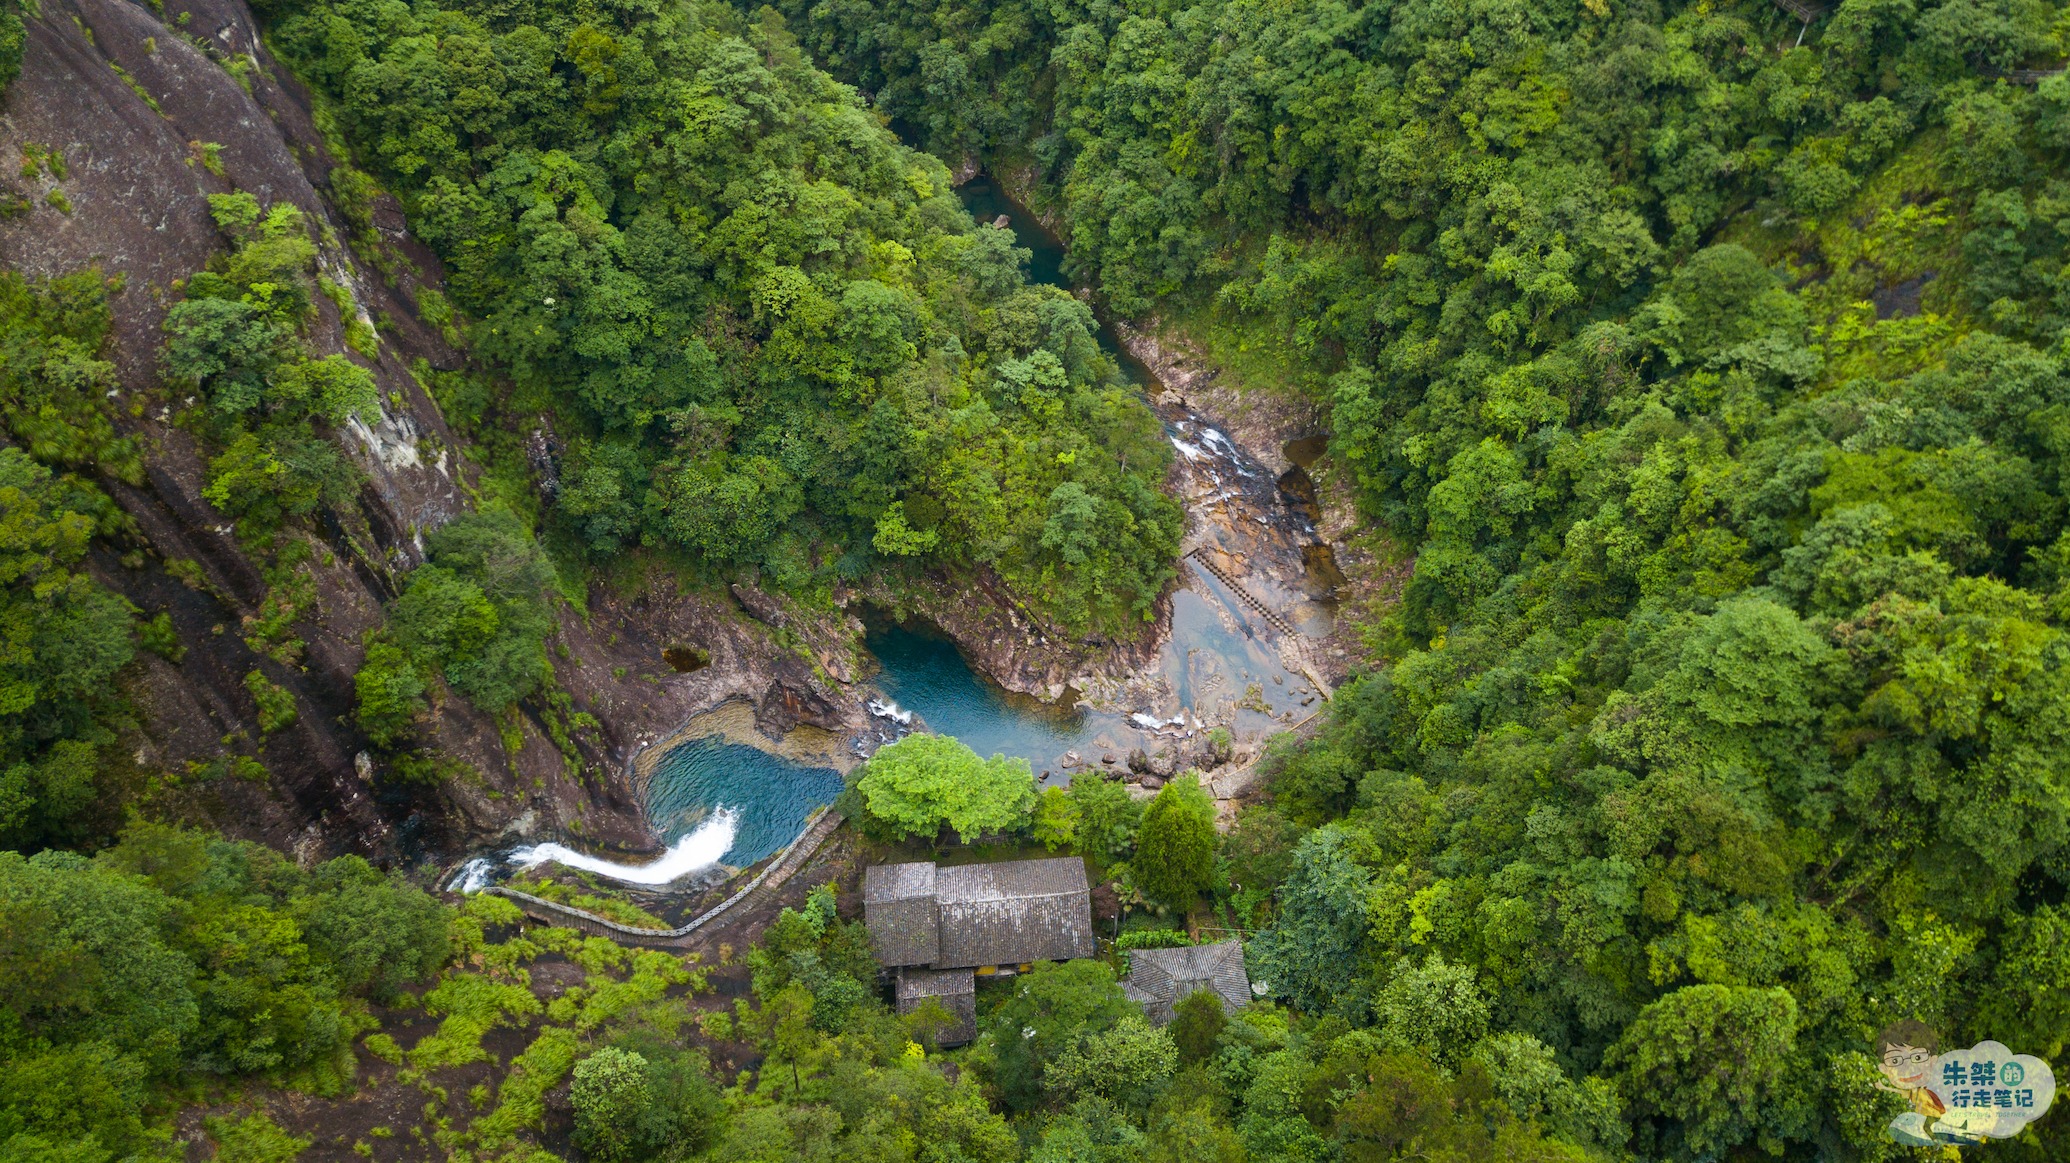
151 116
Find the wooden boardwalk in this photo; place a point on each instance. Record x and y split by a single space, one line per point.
778 871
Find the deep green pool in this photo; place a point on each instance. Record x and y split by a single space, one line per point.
711 800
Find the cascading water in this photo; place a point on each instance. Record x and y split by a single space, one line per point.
726 804
700 849
718 805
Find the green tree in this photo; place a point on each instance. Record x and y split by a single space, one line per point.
55 390
1197 1024
1259 852
787 1021
923 783
390 693
1408 1108
12 37
1108 817
1056 819
1715 1060
1193 1134
830 958
1049 1010
1528 1078
478 614
1312 952
609 1093
684 1111
1435 1009
1175 849
377 932
333 388
1128 1063
896 538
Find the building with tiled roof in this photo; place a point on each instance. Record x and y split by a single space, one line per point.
1159 979
939 928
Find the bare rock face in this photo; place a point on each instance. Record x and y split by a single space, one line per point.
634 633
760 606
150 122
1260 422
143 118
795 696
1014 646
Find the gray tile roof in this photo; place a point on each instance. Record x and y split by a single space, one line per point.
1007 913
899 906
955 989
1160 978
894 882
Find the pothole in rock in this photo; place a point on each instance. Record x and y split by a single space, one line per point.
685 658
1306 450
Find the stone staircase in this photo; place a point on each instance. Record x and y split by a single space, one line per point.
1271 616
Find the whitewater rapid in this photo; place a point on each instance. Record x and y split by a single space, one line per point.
695 852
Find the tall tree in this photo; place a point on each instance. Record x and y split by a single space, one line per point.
1174 861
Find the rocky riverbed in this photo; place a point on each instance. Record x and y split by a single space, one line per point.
1245 645
1247 640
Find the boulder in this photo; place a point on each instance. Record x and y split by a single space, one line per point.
760 606
794 696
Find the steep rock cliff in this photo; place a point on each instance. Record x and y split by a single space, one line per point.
152 112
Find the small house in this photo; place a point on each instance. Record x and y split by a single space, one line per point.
955 989
940 928
1158 979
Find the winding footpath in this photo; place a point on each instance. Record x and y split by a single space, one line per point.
773 876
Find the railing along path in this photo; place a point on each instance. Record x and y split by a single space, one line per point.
774 875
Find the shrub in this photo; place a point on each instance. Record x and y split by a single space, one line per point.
609 1095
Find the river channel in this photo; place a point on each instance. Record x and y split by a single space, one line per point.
1233 659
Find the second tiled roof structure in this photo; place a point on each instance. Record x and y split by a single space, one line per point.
1008 913
955 989
1159 979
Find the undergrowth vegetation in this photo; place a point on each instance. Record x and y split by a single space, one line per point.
172 958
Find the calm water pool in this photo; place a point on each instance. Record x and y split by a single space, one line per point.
926 674
769 796
718 802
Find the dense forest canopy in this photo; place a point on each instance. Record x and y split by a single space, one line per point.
1714 375
771 335
1706 367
